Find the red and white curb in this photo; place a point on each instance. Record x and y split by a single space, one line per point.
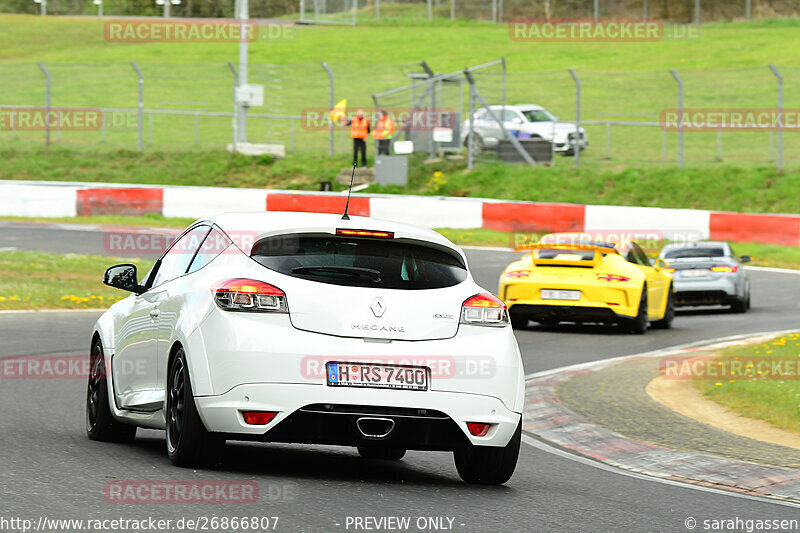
551 422
67 199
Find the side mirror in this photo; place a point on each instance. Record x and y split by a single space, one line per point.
516 120
123 277
745 259
660 264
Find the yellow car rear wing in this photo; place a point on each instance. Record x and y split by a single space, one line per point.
566 259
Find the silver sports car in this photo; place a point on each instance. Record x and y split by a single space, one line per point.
708 273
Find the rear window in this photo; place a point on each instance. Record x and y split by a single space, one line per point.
549 253
682 253
359 262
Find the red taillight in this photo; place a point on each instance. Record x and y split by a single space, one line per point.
728 269
611 277
365 233
478 429
258 418
240 294
484 310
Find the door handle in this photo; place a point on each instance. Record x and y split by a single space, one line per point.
154 313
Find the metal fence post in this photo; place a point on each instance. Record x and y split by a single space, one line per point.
46 104
452 9
330 100
680 115
494 11
697 11
778 75
235 117
139 106
430 10
747 10
471 106
577 147
500 12
377 9
596 11
514 141
645 14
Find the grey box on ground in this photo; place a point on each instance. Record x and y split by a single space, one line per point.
539 150
391 170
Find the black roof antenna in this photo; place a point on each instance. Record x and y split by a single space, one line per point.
347 205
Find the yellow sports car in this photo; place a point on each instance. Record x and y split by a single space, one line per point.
569 277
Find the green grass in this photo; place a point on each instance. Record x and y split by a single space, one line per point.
37 280
150 220
727 188
776 401
88 71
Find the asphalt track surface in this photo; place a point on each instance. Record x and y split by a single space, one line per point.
48 468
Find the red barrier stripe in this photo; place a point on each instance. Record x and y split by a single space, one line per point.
119 201
308 203
766 229
511 216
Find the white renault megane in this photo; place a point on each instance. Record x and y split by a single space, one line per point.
310 328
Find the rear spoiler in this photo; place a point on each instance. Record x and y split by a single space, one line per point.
597 249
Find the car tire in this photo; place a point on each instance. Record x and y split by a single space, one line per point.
742 305
639 324
477 143
669 312
519 321
189 443
488 465
100 422
383 453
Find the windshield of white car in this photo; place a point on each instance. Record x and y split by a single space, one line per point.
684 253
360 262
538 115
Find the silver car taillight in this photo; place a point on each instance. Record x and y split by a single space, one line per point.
484 310
241 294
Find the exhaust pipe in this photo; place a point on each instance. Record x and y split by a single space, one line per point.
374 428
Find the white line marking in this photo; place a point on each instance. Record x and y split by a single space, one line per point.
773 269
656 353
619 470
8 249
602 466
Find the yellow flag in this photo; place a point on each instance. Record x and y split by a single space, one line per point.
338 111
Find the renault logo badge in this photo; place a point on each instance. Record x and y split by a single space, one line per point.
378 307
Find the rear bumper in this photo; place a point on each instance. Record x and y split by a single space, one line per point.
566 313
720 291
318 414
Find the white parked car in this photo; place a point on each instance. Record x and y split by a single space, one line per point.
307 328
529 121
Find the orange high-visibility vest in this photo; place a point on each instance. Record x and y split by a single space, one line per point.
358 128
384 129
